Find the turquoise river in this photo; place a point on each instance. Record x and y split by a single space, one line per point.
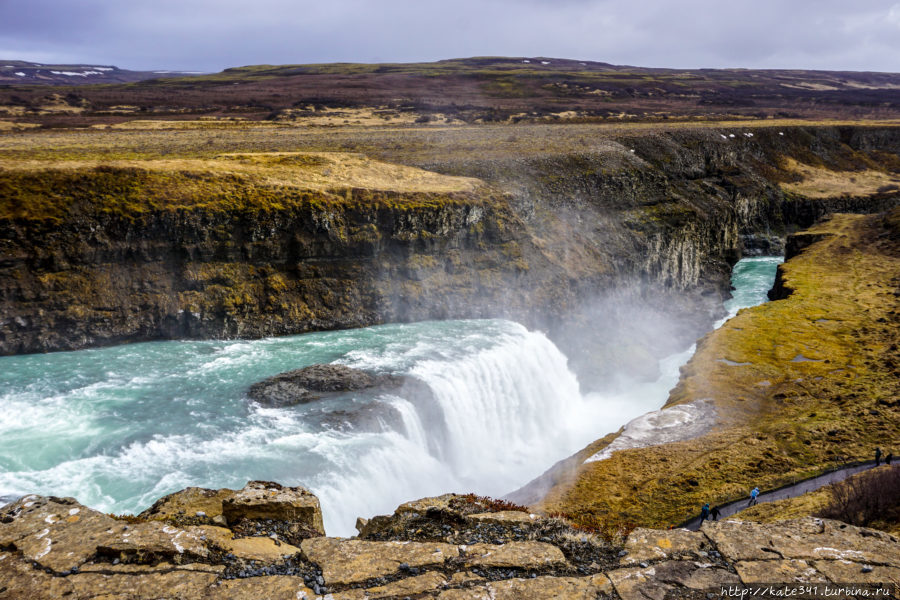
119 427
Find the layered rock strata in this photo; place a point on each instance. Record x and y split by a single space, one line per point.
609 233
452 547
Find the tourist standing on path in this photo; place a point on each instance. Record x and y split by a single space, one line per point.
877 456
714 513
704 512
889 458
753 494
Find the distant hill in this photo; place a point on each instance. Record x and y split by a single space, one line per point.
480 89
19 72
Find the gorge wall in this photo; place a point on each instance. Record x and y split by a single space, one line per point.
631 233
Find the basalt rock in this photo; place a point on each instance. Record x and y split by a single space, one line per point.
289 513
312 383
56 548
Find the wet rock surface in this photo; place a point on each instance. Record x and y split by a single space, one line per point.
451 547
314 382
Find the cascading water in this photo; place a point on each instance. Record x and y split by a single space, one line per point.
119 427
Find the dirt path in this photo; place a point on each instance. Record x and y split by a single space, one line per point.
788 491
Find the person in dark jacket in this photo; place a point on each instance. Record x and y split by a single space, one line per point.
877 456
704 512
714 513
889 458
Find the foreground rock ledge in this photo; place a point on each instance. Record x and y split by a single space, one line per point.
265 541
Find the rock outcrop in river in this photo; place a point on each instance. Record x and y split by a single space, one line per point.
265 541
311 383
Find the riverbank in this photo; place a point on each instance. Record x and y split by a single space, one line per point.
795 384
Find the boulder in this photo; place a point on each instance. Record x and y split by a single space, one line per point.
292 513
311 383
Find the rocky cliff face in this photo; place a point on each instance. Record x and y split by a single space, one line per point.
619 233
265 541
93 277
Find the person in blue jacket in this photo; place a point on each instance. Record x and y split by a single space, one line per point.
753 494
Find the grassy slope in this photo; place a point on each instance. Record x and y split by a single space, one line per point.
779 420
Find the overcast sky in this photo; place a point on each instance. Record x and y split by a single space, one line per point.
209 35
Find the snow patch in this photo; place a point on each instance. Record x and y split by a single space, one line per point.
677 423
20 73
74 511
77 73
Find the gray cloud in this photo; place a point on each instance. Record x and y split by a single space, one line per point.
211 35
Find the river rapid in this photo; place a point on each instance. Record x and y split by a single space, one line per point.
119 427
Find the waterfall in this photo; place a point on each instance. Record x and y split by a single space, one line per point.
505 408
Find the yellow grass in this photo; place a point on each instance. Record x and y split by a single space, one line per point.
817 182
319 171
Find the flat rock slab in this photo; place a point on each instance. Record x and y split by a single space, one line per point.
174 584
273 587
778 571
261 549
520 555
351 561
668 577
161 567
808 538
423 505
845 570
151 541
59 534
505 517
568 588
652 544
409 586
190 506
262 500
